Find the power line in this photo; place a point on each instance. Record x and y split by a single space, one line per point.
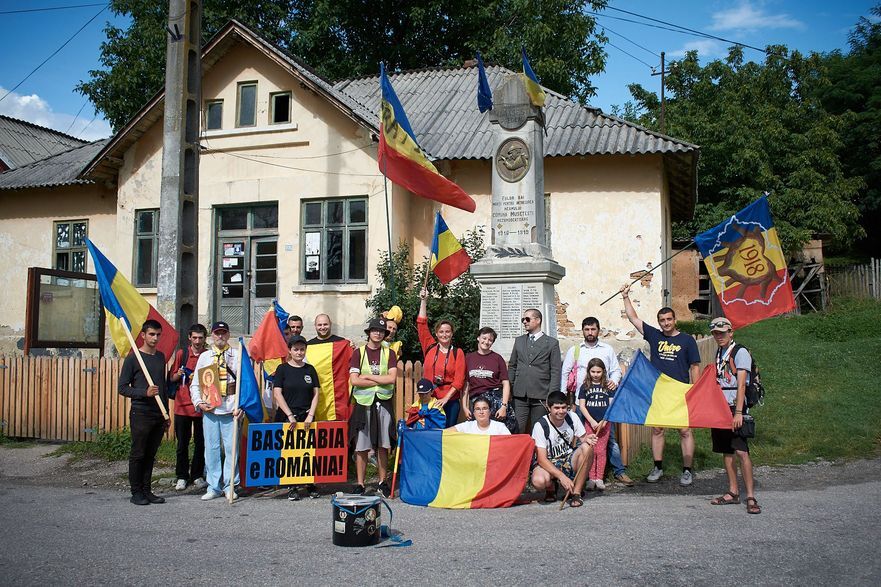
54 53
604 27
75 117
22 10
648 24
631 55
297 168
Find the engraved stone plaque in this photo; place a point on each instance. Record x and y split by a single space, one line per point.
513 159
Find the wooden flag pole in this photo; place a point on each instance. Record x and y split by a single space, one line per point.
667 260
140 359
235 425
397 462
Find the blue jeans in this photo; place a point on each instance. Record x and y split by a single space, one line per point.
452 412
617 465
217 429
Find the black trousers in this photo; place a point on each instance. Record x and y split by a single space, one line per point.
529 410
185 428
147 432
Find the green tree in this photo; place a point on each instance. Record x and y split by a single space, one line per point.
854 92
760 128
458 301
347 38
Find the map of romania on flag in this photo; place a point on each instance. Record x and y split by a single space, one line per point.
331 362
448 259
647 397
450 469
123 304
402 160
746 264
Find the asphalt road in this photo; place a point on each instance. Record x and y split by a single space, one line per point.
818 535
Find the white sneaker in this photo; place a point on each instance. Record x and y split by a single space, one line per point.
599 485
181 484
655 475
686 479
589 485
211 494
235 495
200 483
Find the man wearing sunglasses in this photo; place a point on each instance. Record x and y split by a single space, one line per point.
534 370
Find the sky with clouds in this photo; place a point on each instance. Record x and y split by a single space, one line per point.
49 98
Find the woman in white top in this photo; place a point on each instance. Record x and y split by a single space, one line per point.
482 422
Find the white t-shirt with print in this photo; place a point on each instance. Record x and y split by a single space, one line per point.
471 427
557 446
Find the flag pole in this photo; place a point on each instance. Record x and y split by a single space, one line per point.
397 461
388 221
235 425
667 260
140 359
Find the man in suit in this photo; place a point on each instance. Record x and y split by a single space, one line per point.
534 370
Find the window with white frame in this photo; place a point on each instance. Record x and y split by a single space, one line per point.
69 247
214 115
280 108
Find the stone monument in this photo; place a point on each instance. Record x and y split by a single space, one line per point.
518 271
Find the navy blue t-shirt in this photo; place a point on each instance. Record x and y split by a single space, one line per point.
671 355
597 400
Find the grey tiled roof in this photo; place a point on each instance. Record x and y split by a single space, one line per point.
441 104
23 142
58 170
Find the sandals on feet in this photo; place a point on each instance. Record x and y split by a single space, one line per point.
752 506
575 501
550 495
727 499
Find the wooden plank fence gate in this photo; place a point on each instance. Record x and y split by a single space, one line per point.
858 281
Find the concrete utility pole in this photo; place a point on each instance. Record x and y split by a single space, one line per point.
662 73
179 200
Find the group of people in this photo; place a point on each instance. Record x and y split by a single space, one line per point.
560 401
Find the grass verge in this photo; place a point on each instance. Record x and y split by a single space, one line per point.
114 446
821 372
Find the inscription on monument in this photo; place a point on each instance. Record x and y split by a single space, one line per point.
502 306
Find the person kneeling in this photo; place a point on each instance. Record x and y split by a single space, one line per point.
482 423
563 451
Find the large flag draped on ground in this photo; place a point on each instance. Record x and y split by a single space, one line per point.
746 264
450 469
249 400
649 398
402 160
533 87
331 362
448 259
484 93
268 344
123 304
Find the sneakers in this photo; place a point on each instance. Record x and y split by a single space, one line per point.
211 494
153 498
686 479
312 491
383 489
181 484
294 493
590 485
599 484
655 475
139 499
235 495
358 490
200 483
625 480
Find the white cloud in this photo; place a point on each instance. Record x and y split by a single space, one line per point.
36 110
706 48
746 17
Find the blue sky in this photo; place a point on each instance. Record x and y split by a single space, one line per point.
49 97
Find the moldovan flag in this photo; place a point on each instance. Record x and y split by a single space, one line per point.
746 264
533 87
649 398
331 362
448 259
124 305
451 469
402 160
249 398
268 344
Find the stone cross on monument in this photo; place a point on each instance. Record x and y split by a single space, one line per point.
518 271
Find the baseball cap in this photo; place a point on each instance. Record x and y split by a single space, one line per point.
219 325
376 324
295 339
425 386
721 325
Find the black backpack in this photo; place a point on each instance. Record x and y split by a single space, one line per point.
755 391
547 429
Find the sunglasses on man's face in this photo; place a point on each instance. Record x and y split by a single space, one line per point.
526 319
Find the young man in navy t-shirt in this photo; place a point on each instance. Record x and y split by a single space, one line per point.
675 354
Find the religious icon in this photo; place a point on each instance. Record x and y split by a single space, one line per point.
208 379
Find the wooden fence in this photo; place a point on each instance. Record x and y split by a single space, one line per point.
858 281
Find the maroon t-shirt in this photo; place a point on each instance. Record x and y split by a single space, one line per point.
485 372
373 358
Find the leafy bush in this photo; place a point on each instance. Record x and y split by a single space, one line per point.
694 327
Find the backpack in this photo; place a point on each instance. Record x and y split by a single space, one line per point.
547 429
755 391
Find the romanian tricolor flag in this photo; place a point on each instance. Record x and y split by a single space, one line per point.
533 87
403 161
448 259
746 264
123 305
649 398
281 454
450 469
331 362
